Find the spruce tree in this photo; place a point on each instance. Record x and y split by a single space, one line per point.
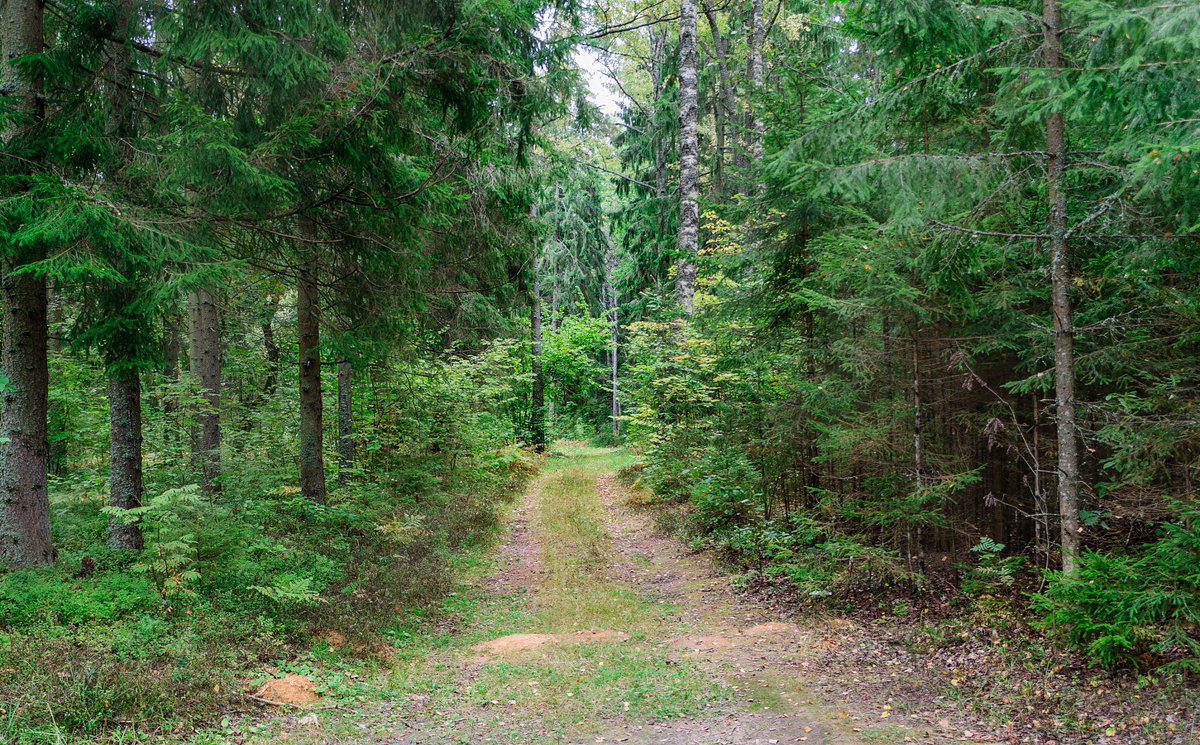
24 447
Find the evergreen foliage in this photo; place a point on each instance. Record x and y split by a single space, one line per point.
897 302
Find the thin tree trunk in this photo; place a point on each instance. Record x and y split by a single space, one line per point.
1064 331
345 377
725 105
56 417
755 63
24 446
661 138
55 319
271 347
308 323
125 457
204 355
614 329
689 160
172 346
537 424
918 460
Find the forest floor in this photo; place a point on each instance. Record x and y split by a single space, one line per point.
589 626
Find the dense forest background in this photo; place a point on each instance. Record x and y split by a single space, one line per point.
892 299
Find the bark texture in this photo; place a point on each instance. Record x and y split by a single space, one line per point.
614 328
308 327
662 140
204 356
918 456
124 385
24 499
125 458
724 104
755 73
345 378
24 446
1064 328
689 160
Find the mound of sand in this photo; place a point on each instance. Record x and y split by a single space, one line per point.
295 690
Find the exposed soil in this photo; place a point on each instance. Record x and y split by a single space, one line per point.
771 665
739 641
968 689
514 643
520 556
290 690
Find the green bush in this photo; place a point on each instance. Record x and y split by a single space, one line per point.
226 585
50 598
993 571
1140 608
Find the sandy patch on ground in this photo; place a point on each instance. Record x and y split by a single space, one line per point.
292 690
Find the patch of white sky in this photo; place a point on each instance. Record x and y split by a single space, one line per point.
601 89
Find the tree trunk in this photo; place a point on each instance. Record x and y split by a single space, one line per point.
918 459
614 329
125 458
537 423
689 160
124 385
204 355
725 103
57 422
308 326
24 498
1064 331
172 346
661 139
271 347
345 423
24 446
56 319
755 73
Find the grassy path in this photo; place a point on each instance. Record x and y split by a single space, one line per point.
587 626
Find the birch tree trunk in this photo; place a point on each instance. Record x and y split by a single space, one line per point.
689 160
24 445
614 329
755 64
1064 330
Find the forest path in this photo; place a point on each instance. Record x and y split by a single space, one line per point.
589 626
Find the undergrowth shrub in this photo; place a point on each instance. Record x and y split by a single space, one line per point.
992 571
228 584
1137 607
